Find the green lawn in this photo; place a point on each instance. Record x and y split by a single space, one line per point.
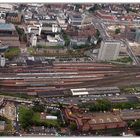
18 95
36 117
124 60
31 50
12 52
130 89
49 47
28 117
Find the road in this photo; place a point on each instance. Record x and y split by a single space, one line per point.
130 52
88 98
98 24
17 120
121 22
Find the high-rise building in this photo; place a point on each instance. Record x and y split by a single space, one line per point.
137 37
109 50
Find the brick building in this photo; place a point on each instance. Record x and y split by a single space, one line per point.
106 16
93 121
14 17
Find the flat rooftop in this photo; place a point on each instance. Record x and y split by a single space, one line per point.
7 27
101 90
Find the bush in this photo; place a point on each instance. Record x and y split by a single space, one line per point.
117 31
125 60
12 52
105 105
22 35
136 124
66 38
101 105
38 108
73 126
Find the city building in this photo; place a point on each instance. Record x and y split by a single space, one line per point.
2 15
75 19
93 122
2 20
51 40
118 99
83 32
6 7
35 28
78 41
27 16
50 28
127 115
105 16
33 40
14 17
47 21
54 28
3 47
61 19
2 125
55 38
109 50
2 61
137 36
9 35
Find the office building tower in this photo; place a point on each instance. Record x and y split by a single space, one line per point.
109 50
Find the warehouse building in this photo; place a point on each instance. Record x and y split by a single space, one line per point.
127 115
95 91
8 35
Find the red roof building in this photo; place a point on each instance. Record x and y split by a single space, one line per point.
93 121
106 16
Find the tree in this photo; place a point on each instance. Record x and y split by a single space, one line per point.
136 124
77 7
99 40
97 34
60 105
100 105
94 8
66 38
22 35
12 52
117 31
26 118
89 39
38 108
73 126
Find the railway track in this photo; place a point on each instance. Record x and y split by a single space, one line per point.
65 76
